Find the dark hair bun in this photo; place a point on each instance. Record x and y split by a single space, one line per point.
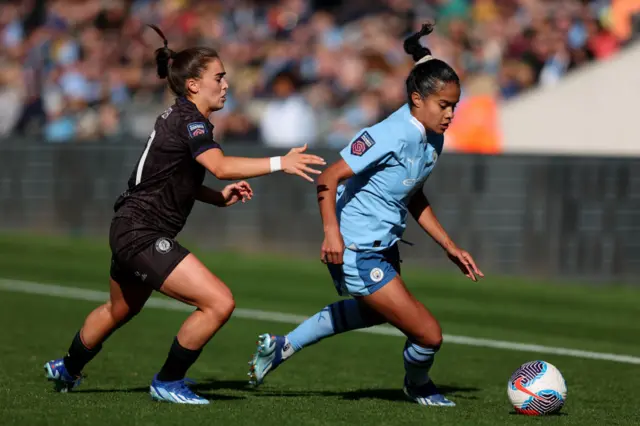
412 44
163 55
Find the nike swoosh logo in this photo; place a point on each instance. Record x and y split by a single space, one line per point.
518 385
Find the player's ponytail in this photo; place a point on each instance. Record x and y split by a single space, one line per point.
412 44
163 54
428 73
177 68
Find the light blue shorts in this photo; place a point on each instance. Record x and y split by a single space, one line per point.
363 273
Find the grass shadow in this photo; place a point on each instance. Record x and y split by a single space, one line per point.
392 394
206 388
210 387
558 414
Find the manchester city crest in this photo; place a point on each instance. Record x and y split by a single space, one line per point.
163 245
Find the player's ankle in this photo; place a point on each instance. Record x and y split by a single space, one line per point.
288 349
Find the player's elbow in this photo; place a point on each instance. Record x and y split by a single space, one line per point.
220 169
216 163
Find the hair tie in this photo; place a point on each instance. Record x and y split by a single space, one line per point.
424 59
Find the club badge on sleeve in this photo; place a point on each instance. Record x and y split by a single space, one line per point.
196 129
362 144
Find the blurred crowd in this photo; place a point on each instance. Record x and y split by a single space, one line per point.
299 70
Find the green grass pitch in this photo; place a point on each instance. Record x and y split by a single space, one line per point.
349 379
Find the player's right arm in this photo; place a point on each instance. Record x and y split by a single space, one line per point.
370 148
224 167
333 245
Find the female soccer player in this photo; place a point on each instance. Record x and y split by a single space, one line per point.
161 192
383 169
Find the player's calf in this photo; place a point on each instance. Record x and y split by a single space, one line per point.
418 361
336 318
66 373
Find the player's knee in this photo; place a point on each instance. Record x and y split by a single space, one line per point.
134 310
226 308
430 336
430 341
221 308
436 341
122 312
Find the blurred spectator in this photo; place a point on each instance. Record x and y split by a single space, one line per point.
11 97
288 120
300 70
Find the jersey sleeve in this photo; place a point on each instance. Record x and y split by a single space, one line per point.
199 137
371 147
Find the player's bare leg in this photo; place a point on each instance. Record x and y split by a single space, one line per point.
125 301
401 309
398 306
192 283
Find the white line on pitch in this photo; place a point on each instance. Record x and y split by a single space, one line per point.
100 296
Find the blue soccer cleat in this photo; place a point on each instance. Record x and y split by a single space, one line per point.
177 392
267 358
427 394
56 372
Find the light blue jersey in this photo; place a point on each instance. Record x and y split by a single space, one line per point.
391 161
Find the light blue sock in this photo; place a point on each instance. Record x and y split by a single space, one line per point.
417 362
336 318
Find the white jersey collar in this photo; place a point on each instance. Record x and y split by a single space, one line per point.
420 127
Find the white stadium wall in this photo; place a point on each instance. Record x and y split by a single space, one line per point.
594 112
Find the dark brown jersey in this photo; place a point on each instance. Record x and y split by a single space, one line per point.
163 185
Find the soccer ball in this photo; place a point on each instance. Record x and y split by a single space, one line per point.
537 388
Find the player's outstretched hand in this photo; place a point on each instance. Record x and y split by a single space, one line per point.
238 191
332 248
297 163
465 262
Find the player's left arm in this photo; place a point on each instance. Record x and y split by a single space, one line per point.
231 194
422 212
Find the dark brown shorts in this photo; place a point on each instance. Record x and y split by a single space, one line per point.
150 265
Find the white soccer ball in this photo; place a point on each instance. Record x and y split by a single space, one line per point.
537 388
